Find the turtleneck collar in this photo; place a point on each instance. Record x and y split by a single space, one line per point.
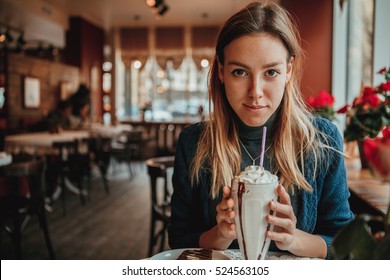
246 132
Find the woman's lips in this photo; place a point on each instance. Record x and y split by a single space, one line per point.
255 108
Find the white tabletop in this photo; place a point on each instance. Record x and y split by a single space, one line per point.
230 254
5 158
44 139
235 254
109 130
40 142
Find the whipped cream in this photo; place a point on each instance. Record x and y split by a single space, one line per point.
255 174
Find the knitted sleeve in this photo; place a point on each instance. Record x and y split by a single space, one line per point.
333 207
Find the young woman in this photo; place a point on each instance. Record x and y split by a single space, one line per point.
254 81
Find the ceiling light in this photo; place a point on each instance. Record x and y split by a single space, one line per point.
158 7
153 3
137 64
204 63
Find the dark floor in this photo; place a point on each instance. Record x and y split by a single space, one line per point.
114 226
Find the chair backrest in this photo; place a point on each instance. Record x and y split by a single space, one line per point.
24 168
134 136
157 168
31 168
165 134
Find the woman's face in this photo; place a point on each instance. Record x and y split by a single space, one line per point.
255 73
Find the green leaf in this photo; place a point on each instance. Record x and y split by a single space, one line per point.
382 250
354 240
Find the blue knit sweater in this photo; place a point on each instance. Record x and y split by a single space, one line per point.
323 212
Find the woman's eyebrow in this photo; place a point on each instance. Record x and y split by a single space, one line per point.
267 65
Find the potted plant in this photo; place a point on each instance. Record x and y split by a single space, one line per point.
368 114
361 238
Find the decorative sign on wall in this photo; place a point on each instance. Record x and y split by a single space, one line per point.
32 92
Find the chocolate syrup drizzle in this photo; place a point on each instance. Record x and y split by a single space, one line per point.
240 191
265 238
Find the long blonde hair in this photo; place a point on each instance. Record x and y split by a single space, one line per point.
295 136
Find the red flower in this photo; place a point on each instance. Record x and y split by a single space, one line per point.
369 99
373 100
386 136
382 71
343 109
323 100
376 152
371 152
368 91
385 86
386 133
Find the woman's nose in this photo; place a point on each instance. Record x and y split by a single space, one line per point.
256 90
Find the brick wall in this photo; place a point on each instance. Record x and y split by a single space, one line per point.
51 76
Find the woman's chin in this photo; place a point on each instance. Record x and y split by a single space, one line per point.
254 122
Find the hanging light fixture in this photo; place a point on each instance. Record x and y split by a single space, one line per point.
158 7
153 3
162 9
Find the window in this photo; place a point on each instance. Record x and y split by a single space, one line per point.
163 93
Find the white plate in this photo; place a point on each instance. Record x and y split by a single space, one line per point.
174 254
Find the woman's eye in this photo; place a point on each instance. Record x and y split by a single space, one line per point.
239 72
272 73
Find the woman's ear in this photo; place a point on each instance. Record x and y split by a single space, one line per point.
290 66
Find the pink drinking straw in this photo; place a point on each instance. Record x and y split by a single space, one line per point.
263 146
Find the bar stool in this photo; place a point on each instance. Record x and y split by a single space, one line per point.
160 205
16 208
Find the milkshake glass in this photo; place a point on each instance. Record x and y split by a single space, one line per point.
252 191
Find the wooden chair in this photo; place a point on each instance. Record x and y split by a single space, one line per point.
126 148
16 207
99 149
72 165
160 202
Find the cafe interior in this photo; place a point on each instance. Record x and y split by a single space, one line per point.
133 74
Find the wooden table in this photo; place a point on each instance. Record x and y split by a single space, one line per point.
42 142
369 194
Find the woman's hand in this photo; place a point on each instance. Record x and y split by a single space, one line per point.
285 233
221 236
225 215
284 221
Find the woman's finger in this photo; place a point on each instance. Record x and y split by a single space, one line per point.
281 224
227 230
282 239
282 210
225 216
284 197
227 202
